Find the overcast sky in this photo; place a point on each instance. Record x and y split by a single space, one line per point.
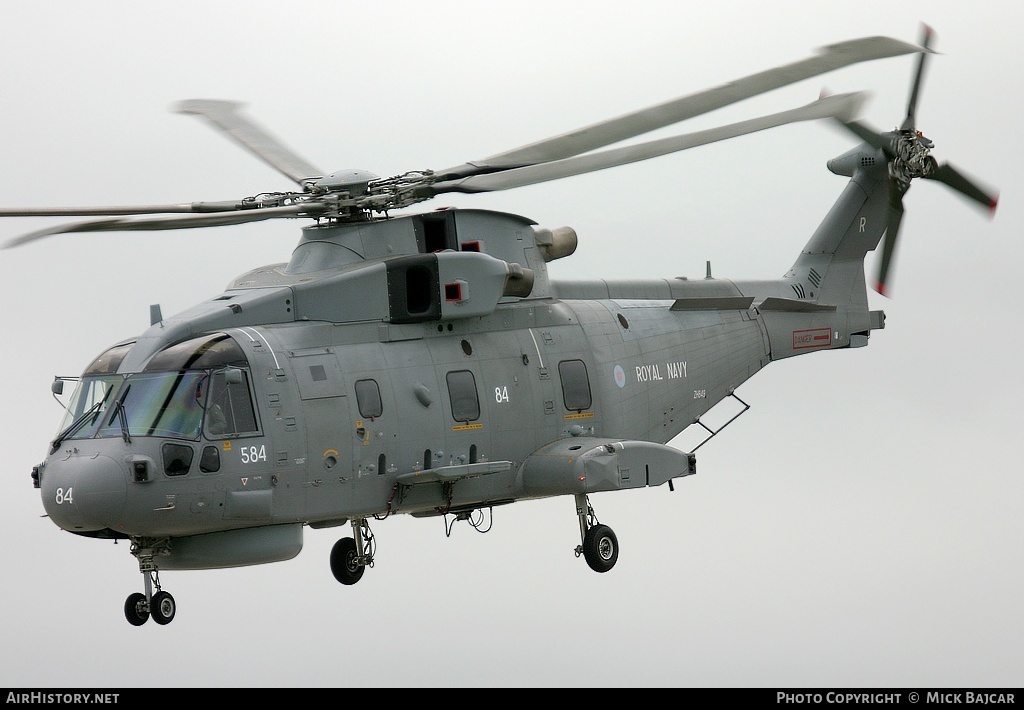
859 526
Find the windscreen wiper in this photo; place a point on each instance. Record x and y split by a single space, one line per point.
75 425
122 416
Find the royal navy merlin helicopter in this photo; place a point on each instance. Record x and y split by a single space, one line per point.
426 364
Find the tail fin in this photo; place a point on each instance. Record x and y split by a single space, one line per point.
821 302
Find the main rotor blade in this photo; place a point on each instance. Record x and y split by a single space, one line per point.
226 206
206 220
840 105
946 173
225 116
643 121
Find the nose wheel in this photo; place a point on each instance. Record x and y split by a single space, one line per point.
600 547
136 609
139 606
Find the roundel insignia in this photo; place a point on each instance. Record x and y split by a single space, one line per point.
620 376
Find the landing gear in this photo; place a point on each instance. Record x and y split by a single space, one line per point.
162 607
600 547
138 607
350 556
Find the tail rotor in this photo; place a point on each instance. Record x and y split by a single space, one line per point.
908 153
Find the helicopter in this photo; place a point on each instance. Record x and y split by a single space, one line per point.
425 363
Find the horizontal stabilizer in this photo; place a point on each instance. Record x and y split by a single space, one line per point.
773 303
727 303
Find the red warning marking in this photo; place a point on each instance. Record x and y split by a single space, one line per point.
813 338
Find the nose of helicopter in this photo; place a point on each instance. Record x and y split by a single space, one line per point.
84 493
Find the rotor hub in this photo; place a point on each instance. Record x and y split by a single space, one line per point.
912 158
353 182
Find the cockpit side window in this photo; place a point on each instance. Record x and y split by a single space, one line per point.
229 408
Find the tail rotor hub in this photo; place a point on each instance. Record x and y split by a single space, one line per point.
912 157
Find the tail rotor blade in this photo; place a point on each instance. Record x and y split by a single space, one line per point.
946 173
926 39
866 133
883 283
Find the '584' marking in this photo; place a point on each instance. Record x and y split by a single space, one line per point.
253 454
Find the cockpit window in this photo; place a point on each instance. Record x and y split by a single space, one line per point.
166 404
109 361
205 379
205 352
229 411
88 406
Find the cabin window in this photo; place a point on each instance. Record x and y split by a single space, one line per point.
463 395
229 410
575 384
368 399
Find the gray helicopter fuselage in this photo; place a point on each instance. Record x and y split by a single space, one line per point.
424 365
368 398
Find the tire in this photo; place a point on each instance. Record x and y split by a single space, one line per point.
133 609
343 561
600 548
162 608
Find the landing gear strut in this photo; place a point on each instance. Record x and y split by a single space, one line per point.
139 607
600 546
352 555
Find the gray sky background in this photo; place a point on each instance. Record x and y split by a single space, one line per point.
859 526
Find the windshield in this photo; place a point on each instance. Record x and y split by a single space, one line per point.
166 404
169 398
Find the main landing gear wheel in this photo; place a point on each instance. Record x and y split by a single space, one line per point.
350 556
600 548
135 609
162 608
344 561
